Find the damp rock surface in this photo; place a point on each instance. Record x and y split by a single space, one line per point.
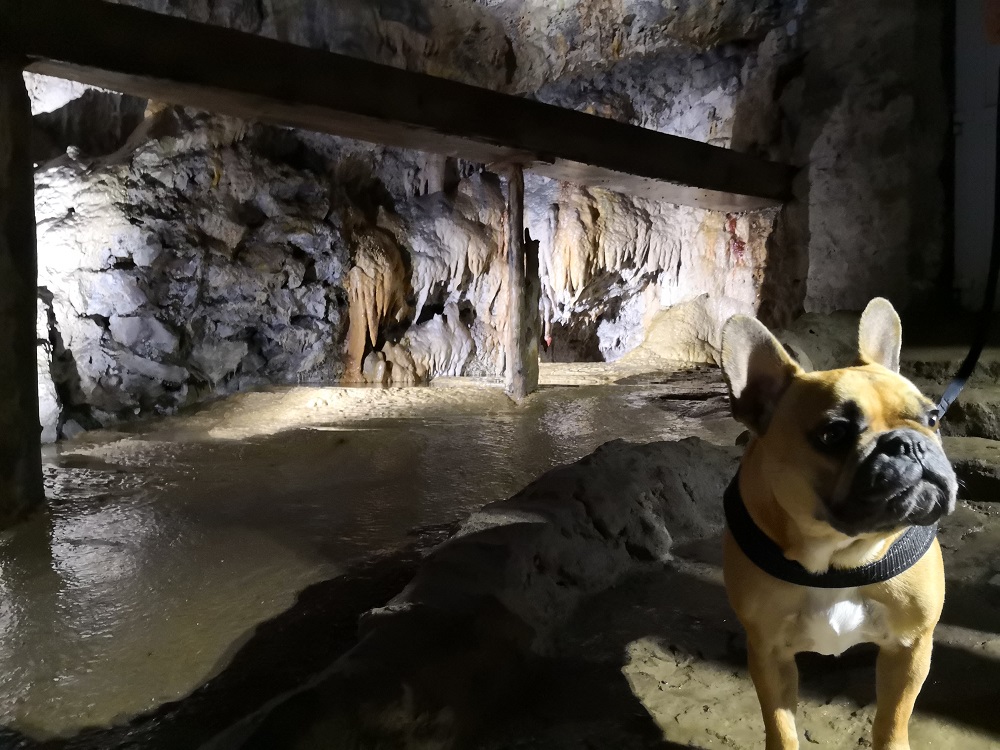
977 465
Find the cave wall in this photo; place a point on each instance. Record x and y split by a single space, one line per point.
198 265
185 255
873 127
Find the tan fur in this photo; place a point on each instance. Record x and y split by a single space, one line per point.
778 472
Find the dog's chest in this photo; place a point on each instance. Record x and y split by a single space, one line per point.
832 620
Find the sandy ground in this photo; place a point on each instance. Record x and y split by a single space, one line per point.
659 662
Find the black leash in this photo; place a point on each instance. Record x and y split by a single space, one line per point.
986 315
769 557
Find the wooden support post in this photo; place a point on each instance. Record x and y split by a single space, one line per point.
516 380
20 434
532 319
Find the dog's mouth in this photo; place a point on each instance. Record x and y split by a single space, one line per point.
901 503
920 504
883 492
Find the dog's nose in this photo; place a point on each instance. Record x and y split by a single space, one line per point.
897 460
901 444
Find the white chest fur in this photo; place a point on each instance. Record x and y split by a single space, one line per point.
832 620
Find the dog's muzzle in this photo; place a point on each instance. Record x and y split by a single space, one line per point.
901 478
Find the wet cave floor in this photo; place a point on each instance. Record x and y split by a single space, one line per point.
194 569
167 542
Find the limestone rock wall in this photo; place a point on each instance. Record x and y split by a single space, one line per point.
855 94
185 255
194 267
203 262
873 126
449 38
555 40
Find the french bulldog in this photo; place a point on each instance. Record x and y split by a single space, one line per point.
840 464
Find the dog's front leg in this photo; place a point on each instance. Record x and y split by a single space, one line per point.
900 673
776 678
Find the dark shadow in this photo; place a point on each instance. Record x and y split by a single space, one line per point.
601 711
96 123
690 615
973 606
575 341
762 126
420 672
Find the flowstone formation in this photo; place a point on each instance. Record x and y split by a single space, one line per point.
185 255
376 294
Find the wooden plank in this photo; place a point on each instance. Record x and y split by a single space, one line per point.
20 433
224 71
516 380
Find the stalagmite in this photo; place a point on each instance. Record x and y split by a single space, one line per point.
439 347
20 434
690 331
455 245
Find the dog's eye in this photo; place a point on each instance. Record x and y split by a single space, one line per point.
933 417
835 434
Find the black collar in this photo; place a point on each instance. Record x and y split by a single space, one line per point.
767 555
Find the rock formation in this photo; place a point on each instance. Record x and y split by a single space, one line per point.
186 255
688 332
376 295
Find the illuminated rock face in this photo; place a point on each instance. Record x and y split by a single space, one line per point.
185 256
609 262
195 267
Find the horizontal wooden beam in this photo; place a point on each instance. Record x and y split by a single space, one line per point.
219 70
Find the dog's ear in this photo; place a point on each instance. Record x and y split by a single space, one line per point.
880 335
757 370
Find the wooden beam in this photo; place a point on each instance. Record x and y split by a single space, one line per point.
515 372
20 433
224 71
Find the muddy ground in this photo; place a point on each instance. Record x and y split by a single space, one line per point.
190 569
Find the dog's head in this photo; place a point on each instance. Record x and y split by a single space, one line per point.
857 448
